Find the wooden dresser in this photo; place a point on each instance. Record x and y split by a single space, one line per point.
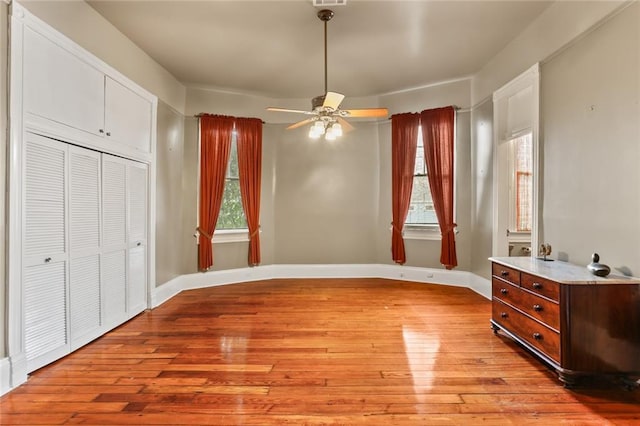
578 323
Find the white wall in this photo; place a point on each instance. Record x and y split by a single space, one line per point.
482 187
559 24
169 220
326 197
591 148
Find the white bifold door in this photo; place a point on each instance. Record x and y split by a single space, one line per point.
84 246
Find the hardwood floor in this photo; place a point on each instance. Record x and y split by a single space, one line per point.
330 351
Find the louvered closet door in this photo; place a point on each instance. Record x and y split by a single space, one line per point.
114 231
137 212
85 246
45 256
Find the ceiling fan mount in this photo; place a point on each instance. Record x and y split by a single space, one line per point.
325 15
328 118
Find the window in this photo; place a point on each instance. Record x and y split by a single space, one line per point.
522 180
231 215
421 211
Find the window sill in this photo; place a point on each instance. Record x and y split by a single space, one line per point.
231 236
422 232
519 237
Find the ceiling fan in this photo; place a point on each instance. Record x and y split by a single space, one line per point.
327 117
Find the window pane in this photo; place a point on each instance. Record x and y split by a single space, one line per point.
523 202
232 170
523 164
420 167
231 213
421 210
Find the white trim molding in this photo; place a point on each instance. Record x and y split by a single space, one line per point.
181 283
5 375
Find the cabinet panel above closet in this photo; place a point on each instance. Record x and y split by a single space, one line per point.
63 88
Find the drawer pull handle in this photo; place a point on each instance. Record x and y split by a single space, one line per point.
504 291
504 273
537 336
537 286
503 314
537 308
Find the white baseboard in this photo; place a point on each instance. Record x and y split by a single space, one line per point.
480 285
13 372
166 291
5 376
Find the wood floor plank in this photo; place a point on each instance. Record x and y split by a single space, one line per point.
314 352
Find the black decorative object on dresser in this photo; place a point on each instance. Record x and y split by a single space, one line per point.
578 323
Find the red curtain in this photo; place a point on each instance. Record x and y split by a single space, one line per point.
404 140
437 135
215 146
249 142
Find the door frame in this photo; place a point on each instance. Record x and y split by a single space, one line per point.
503 131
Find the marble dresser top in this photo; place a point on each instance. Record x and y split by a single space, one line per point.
562 272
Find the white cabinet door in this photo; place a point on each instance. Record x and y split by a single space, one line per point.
114 231
45 254
127 117
84 246
60 87
137 224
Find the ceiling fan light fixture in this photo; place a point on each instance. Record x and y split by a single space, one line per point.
313 134
336 129
319 127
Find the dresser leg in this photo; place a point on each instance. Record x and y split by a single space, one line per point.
495 328
568 380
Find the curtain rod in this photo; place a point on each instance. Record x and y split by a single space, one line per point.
201 114
455 108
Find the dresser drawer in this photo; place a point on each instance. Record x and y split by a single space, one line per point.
506 273
535 334
535 306
541 286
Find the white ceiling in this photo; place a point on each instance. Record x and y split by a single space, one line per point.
275 48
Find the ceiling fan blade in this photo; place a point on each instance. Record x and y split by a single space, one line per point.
346 127
301 123
367 112
333 100
288 110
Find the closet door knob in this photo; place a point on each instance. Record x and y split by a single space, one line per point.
108 133
100 130
47 260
